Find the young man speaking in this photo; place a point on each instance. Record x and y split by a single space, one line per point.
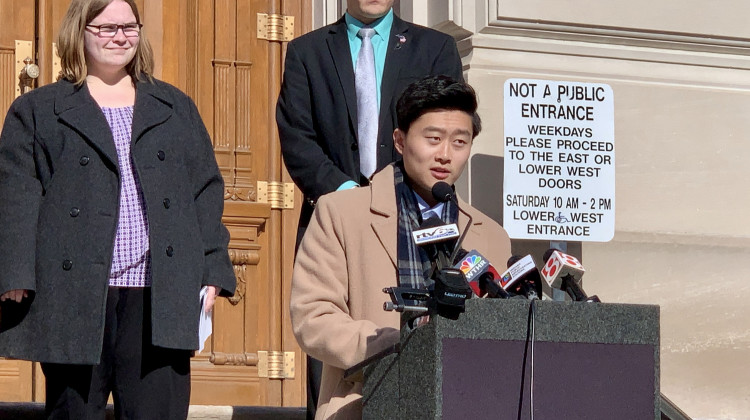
359 241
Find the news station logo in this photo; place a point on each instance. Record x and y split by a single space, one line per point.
504 280
436 234
472 265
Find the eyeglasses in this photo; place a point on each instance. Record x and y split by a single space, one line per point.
109 30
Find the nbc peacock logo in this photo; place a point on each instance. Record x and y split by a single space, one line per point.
469 263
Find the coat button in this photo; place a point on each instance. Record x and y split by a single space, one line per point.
167 203
170 251
67 265
161 155
84 160
75 211
355 147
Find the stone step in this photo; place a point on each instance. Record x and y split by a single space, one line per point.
35 411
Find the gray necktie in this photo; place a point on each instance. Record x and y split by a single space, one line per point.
367 104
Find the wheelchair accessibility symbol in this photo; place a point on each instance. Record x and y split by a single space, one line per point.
561 218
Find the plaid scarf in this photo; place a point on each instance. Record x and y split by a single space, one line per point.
414 265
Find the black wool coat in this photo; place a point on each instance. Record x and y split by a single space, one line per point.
59 200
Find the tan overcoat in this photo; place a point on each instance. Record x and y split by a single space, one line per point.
346 258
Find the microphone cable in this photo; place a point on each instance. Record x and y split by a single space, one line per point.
443 193
528 348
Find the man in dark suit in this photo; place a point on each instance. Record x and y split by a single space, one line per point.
320 126
317 111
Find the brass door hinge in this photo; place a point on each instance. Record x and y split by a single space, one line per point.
276 364
275 27
279 194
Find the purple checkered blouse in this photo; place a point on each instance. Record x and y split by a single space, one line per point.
131 261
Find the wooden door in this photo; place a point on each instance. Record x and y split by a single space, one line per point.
17 33
211 50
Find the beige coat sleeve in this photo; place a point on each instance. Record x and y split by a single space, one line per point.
326 270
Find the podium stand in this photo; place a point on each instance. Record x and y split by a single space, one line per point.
577 360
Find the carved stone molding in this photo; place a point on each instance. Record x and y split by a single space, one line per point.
617 24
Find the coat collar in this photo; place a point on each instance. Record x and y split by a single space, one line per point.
338 46
153 107
76 108
385 212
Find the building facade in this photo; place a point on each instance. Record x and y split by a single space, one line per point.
680 76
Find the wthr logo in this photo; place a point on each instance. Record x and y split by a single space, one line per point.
469 263
473 264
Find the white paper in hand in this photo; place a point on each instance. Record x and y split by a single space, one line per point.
205 327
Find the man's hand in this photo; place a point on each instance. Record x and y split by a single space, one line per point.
211 293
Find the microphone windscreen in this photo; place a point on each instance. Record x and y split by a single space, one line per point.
512 260
442 192
431 223
460 254
548 254
560 265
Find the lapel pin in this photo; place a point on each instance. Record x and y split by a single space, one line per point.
401 41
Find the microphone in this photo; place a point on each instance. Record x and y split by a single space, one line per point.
480 274
434 230
433 236
450 289
443 193
563 271
450 293
522 277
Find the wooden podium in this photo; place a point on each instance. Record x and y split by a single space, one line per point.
564 360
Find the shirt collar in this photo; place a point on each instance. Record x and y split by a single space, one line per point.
426 210
382 25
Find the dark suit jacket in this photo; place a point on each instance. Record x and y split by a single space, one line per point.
59 183
317 108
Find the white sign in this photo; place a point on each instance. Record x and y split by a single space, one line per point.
559 180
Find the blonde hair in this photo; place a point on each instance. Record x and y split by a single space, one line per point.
70 44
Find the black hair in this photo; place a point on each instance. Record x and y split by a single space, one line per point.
434 93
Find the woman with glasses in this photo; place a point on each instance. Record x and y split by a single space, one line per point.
110 224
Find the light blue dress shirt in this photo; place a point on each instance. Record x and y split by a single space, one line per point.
427 211
382 28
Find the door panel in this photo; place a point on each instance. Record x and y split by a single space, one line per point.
294 393
234 77
50 14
